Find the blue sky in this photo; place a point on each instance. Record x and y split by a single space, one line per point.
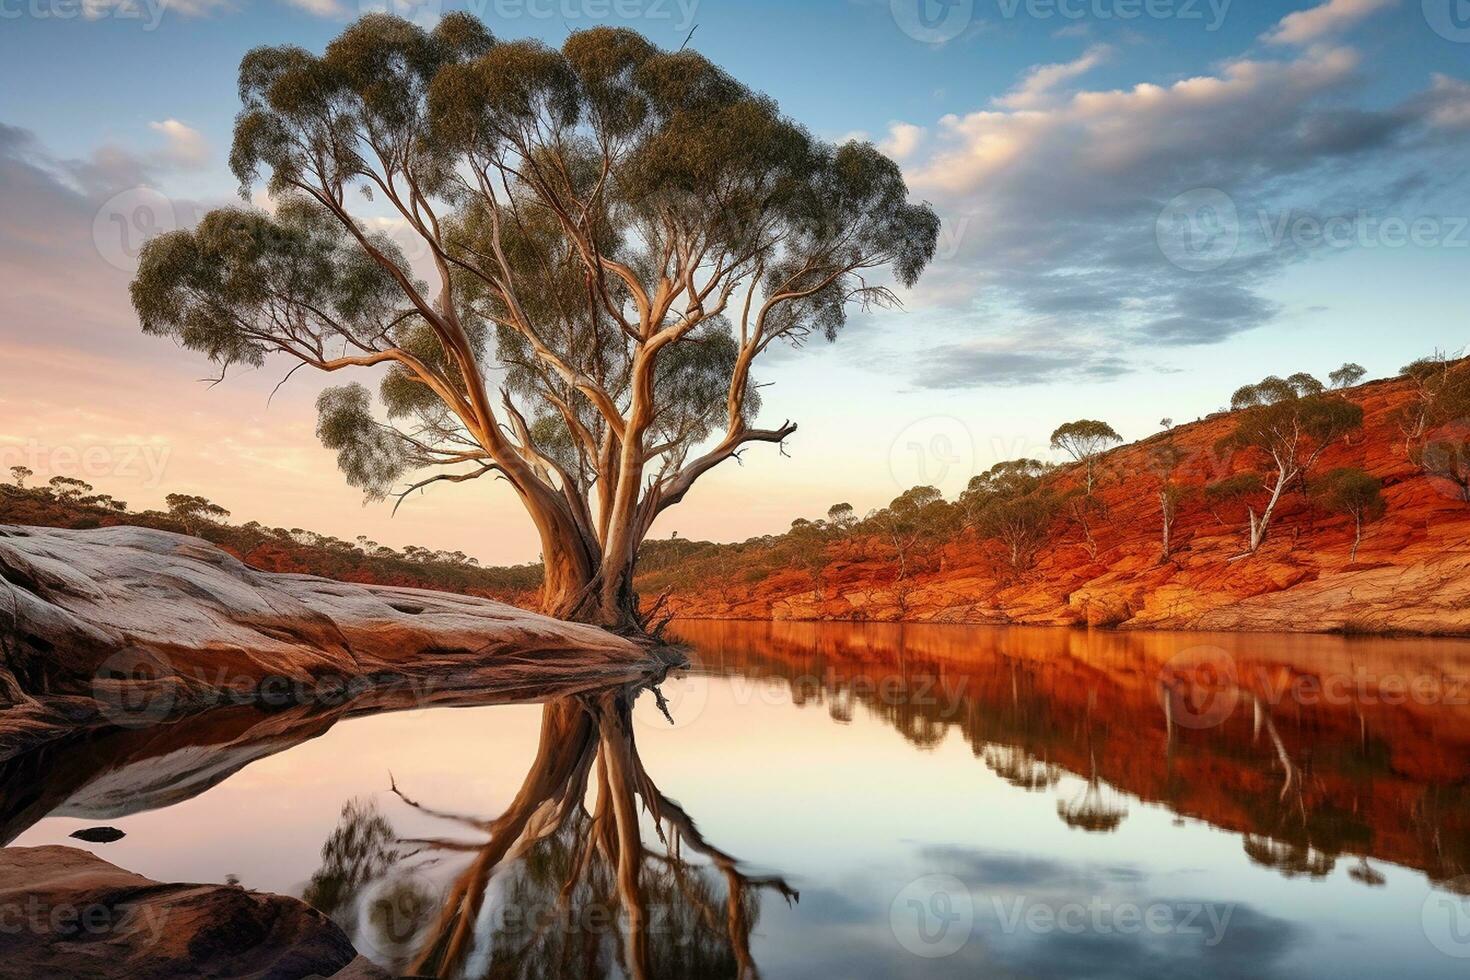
1134 209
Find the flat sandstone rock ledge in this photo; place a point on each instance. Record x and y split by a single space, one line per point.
128 625
71 914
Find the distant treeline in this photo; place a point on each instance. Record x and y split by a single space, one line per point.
72 503
1279 429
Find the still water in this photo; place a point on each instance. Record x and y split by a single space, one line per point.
844 801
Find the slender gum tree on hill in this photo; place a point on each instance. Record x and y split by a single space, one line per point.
614 234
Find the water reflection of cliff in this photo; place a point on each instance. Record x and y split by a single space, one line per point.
553 886
1314 748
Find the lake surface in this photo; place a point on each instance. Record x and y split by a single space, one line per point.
845 801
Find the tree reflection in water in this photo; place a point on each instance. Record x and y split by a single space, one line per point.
1094 811
1304 781
552 888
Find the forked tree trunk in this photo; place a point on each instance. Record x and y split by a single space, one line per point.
1262 524
573 590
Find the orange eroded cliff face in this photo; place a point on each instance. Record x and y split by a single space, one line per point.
1412 572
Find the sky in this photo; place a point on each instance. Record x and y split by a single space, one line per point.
1145 205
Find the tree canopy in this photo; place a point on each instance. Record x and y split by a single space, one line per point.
1290 421
1084 440
612 234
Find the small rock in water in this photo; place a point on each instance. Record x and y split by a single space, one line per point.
99 835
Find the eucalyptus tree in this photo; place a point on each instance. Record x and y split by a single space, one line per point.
1165 460
1085 440
192 510
1354 493
1347 375
1011 503
1439 388
912 522
69 489
612 235
1291 422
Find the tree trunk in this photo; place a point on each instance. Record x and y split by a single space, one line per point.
1260 525
1168 511
575 592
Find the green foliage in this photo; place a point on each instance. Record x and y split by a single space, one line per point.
913 522
302 550
1007 480
1442 398
1290 420
359 851
371 455
1085 439
191 510
1351 491
556 191
1009 502
1276 391
1347 375
243 284
841 516
67 488
1234 488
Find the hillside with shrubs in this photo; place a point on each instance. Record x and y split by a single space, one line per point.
1305 505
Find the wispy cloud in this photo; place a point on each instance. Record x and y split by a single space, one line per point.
1052 204
1039 87
321 8
1329 19
186 145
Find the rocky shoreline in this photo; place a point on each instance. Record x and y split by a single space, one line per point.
109 637
72 914
128 626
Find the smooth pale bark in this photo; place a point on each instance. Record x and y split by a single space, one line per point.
1167 507
1260 525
